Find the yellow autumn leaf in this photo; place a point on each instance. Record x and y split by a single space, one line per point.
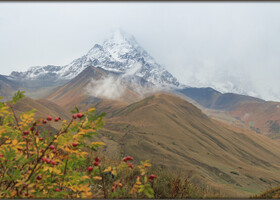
84 153
8 141
47 168
98 143
19 183
14 142
108 169
91 130
76 136
114 172
85 177
97 178
91 109
145 179
147 165
31 191
13 193
57 171
31 185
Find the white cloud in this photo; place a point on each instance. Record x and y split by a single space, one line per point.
106 87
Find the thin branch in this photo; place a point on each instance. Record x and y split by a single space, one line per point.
103 183
54 138
14 114
64 173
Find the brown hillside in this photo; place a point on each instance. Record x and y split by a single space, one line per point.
263 117
173 133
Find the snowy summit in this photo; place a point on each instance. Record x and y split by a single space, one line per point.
119 53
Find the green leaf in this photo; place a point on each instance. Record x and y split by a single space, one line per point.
17 96
76 110
141 188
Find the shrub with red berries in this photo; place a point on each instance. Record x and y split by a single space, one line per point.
37 163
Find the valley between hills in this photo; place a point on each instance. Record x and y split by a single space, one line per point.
229 142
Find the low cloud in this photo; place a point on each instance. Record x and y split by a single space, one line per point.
106 87
115 87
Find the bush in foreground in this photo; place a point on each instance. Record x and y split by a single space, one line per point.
36 163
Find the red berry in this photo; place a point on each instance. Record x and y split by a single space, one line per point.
26 132
97 159
75 144
51 147
57 119
57 190
151 180
1 155
26 194
74 116
54 151
152 176
32 128
44 121
80 115
41 139
39 177
53 162
48 160
130 165
127 158
90 169
37 133
95 163
44 159
49 118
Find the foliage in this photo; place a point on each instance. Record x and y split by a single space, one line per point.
36 163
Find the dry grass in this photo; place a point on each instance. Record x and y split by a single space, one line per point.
173 133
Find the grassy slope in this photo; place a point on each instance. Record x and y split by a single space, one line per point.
173 133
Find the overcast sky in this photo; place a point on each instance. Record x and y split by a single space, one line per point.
228 45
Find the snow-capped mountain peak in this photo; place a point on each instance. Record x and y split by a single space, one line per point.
120 37
119 53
